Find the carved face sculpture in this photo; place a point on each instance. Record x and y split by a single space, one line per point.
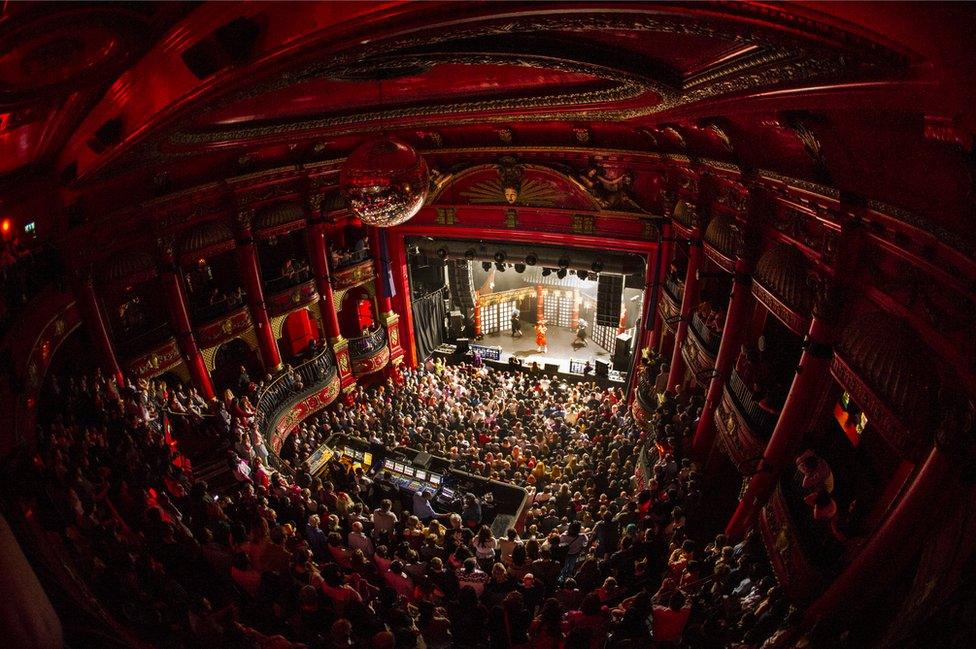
511 195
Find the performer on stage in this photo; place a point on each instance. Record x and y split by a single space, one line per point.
580 340
540 336
516 324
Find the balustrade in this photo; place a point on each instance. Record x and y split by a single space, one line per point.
208 312
674 289
280 393
285 282
347 258
761 422
367 345
707 338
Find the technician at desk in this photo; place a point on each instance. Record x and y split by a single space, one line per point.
422 508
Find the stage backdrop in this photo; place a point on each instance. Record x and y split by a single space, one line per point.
428 322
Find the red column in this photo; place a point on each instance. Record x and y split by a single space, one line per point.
179 319
688 303
897 538
737 320
247 263
315 241
94 319
477 315
401 301
656 282
812 376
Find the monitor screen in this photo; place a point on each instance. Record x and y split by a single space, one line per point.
398 467
421 475
388 464
367 458
435 479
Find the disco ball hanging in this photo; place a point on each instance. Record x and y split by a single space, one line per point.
385 182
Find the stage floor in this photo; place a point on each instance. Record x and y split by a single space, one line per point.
560 347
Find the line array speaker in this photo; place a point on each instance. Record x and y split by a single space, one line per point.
461 283
608 295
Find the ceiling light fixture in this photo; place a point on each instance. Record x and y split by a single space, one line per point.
385 182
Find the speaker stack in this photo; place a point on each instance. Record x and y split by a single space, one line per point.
621 353
609 291
461 283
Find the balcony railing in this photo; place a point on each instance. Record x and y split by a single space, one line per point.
285 282
346 258
761 422
367 345
281 393
709 339
675 290
212 311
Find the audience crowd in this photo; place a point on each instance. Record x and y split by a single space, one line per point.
285 559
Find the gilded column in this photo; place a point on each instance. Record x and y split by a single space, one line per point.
315 241
688 302
179 319
247 264
94 318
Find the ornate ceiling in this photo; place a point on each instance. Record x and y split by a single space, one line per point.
108 106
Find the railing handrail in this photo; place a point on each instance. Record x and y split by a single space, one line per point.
368 344
221 307
352 257
149 334
762 421
282 282
710 339
675 289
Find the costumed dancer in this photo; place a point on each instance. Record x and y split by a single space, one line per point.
540 336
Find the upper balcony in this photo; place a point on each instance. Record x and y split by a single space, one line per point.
707 338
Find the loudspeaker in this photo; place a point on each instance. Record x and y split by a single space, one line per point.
461 283
621 353
602 368
455 324
230 44
463 346
552 368
608 293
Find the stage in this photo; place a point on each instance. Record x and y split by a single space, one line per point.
560 352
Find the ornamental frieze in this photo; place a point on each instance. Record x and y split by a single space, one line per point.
224 329
741 445
373 363
305 408
157 361
795 322
360 273
291 298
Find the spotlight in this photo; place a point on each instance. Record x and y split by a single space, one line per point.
519 268
469 254
500 266
564 262
546 272
582 274
486 266
442 253
500 257
597 266
531 259
561 273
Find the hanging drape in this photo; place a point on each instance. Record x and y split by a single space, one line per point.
428 322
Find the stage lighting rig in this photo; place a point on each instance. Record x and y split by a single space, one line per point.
582 274
486 266
597 266
561 273
500 257
442 253
531 259
469 254
546 272
564 262
520 268
500 266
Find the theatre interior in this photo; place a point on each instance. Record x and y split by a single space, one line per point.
490 325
